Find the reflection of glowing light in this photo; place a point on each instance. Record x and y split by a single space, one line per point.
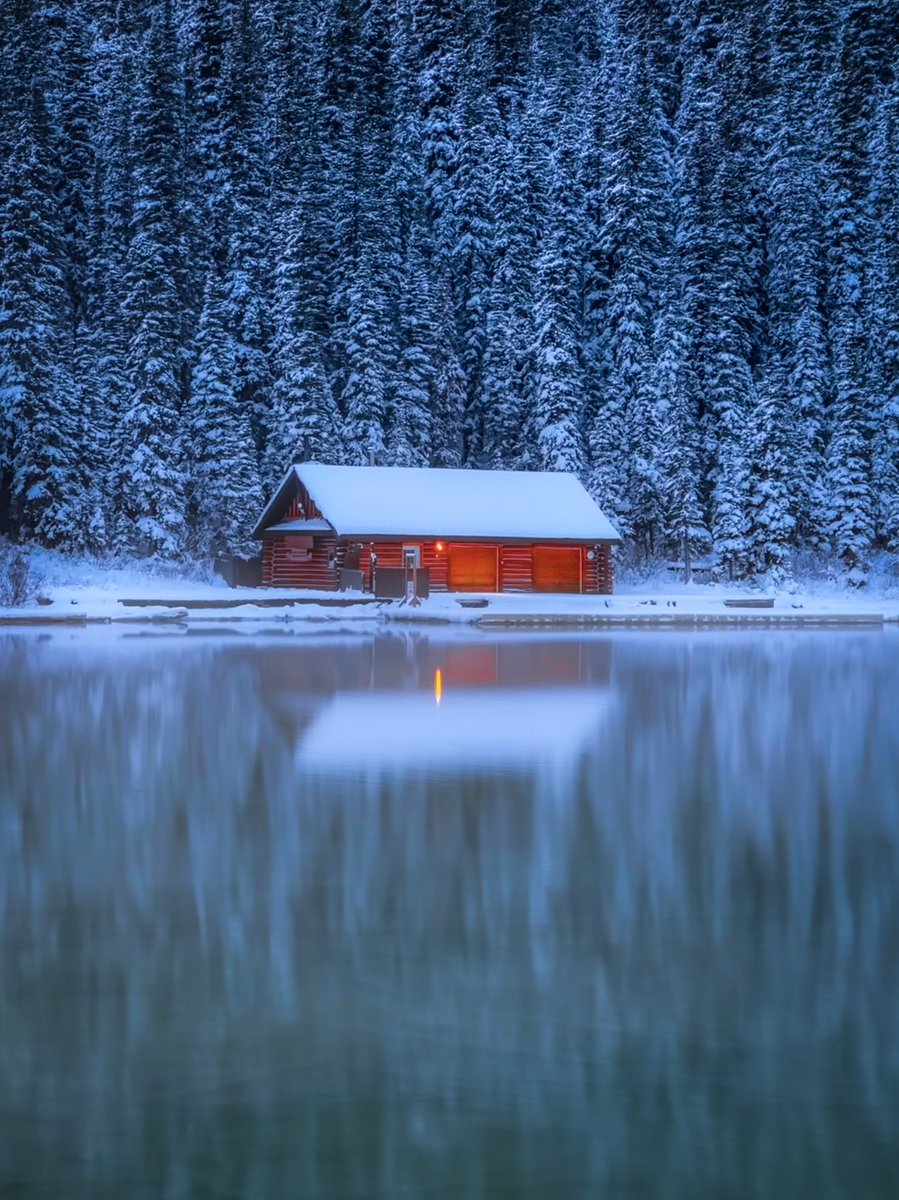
438 684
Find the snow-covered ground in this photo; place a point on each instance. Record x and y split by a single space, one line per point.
86 589
670 604
93 591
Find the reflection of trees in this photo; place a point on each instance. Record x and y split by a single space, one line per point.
221 979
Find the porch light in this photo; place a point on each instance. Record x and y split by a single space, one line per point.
439 546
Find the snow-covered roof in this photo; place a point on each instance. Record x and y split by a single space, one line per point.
368 502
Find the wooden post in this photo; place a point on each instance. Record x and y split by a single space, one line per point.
410 596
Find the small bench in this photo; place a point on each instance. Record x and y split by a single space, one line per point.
751 602
475 602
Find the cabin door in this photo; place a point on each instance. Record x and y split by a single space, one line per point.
557 568
473 568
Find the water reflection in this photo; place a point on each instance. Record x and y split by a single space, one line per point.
617 916
465 731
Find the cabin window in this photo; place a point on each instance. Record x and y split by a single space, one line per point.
299 549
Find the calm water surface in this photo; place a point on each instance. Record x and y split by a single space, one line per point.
404 917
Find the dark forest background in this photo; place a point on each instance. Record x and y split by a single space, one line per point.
655 242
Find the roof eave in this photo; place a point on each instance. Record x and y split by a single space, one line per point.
260 525
533 539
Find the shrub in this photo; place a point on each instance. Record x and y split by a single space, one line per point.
19 583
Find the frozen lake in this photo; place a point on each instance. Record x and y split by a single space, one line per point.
430 918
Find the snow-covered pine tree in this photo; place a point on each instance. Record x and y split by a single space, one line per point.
885 316
114 56
412 374
795 256
209 33
225 489
248 270
41 479
301 415
151 469
368 355
366 239
71 107
509 320
675 393
510 23
721 285
630 242
448 405
850 499
471 253
557 383
440 63
413 382
300 418
771 521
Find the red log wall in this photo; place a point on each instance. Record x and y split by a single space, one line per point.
515 570
598 574
282 568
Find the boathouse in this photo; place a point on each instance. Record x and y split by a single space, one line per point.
464 531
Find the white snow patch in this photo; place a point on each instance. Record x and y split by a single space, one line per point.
491 727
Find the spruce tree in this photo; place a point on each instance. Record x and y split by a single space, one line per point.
509 319
557 383
41 429
674 388
884 309
850 515
771 520
151 477
225 491
448 405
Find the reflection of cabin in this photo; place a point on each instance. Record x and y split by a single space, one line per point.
471 531
323 666
299 681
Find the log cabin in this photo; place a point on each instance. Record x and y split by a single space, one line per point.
464 530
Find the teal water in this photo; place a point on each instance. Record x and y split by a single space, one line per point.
601 916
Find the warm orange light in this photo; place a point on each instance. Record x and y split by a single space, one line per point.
440 545
438 684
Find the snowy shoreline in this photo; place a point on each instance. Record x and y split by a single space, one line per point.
204 605
79 592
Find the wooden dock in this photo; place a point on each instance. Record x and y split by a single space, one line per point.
260 602
729 620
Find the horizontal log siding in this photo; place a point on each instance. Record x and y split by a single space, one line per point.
516 569
516 565
437 563
598 573
390 554
280 570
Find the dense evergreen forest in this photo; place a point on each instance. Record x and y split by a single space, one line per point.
652 241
